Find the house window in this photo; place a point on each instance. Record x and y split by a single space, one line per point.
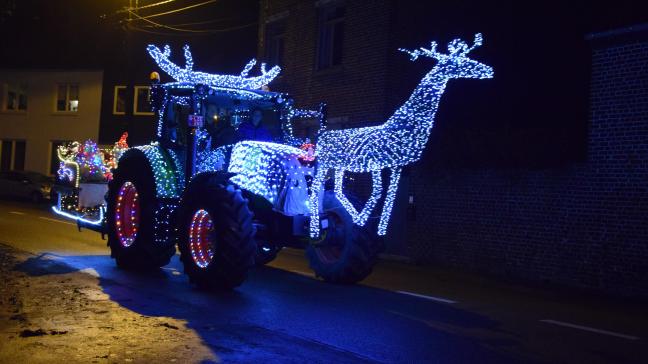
12 155
15 98
274 46
331 36
54 161
67 97
142 102
119 101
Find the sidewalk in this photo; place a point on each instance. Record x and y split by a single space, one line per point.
67 318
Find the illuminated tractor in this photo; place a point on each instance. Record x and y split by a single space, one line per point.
230 203
226 203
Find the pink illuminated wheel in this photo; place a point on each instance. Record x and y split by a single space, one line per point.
345 252
127 213
216 239
136 220
201 239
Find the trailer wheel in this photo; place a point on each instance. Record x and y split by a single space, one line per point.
346 252
131 213
266 252
216 234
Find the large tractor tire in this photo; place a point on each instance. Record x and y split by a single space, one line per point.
131 210
216 234
345 252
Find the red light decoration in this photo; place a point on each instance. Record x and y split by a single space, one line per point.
127 213
201 238
309 148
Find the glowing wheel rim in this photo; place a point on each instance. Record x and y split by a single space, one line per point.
201 239
127 214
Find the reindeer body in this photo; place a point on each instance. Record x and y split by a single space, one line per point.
378 147
396 143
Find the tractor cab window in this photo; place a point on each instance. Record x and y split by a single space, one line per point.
219 123
174 124
229 120
259 124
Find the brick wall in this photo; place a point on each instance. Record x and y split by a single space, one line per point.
356 90
582 224
585 225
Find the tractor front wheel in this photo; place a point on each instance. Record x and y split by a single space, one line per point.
216 234
346 252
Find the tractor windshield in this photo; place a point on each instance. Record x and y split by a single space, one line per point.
229 121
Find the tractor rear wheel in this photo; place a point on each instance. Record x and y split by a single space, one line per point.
131 216
346 252
216 234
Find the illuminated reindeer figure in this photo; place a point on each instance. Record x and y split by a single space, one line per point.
394 144
188 75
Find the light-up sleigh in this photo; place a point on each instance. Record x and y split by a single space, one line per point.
229 203
82 181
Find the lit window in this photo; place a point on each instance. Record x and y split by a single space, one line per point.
15 97
119 101
142 102
67 97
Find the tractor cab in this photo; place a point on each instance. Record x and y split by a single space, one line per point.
224 115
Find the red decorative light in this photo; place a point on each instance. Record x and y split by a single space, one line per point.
127 213
201 238
310 152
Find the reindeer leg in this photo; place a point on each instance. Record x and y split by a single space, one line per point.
376 192
316 188
359 218
389 200
339 193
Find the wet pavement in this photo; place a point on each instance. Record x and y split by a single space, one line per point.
64 283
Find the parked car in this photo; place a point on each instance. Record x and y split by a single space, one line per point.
31 185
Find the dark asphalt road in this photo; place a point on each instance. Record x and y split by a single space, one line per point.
278 309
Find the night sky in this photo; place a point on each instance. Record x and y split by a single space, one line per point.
535 114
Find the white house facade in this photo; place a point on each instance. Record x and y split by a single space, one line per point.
40 110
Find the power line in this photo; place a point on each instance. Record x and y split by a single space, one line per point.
191 30
128 8
179 34
197 22
173 11
152 5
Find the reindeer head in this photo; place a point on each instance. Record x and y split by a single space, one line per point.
456 63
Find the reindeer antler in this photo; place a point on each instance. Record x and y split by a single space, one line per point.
248 67
414 55
477 42
187 74
188 58
456 48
